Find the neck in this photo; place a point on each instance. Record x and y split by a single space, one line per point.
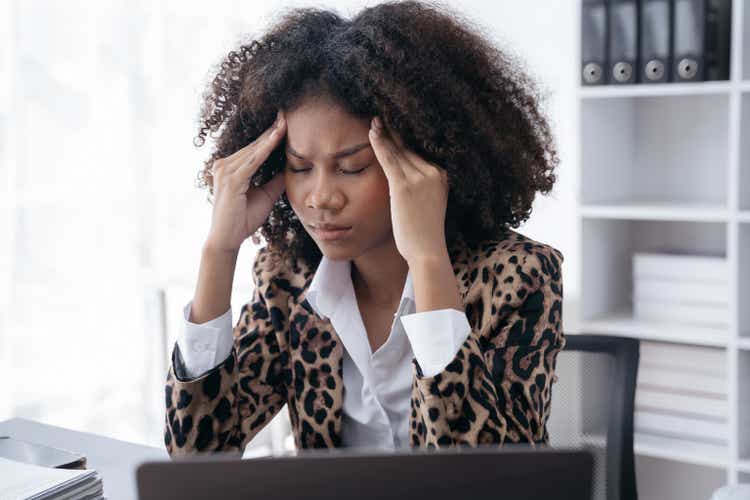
379 275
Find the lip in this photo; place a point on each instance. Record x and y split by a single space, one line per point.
331 234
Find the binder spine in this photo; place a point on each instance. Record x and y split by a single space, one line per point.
623 41
718 39
655 29
689 40
594 42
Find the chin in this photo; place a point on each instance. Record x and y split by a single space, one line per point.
336 252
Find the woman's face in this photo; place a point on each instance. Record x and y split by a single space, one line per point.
339 181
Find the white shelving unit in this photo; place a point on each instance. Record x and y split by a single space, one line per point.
661 168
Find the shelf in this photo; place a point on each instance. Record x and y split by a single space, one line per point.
744 216
654 210
652 89
672 449
623 324
681 450
744 343
743 466
643 150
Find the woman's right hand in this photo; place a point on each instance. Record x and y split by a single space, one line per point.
239 208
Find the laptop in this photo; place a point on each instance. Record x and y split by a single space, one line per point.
509 472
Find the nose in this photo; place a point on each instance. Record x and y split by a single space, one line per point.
323 200
324 195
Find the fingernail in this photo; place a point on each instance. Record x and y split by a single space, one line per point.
375 127
377 123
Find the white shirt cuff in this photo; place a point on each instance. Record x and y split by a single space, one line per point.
436 337
203 346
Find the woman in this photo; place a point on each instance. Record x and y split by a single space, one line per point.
423 320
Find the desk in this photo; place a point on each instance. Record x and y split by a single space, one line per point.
115 460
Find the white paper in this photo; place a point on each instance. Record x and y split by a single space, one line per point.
20 480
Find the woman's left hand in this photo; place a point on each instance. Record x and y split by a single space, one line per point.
419 196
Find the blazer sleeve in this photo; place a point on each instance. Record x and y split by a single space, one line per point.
498 387
224 408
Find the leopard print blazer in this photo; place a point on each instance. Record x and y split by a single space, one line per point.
497 389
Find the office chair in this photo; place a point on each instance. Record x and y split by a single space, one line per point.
592 406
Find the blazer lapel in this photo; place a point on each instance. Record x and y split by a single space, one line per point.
316 363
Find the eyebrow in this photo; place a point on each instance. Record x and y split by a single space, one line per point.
340 154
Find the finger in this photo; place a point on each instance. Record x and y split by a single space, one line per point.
387 154
250 163
423 165
241 156
413 160
274 187
386 158
229 164
410 170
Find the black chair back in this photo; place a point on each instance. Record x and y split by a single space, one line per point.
593 406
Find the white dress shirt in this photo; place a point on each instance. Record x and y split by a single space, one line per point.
378 385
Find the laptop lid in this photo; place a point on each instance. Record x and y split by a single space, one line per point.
509 472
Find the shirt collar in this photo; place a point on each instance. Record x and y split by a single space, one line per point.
333 279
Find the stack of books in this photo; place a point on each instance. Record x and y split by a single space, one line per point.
681 289
681 392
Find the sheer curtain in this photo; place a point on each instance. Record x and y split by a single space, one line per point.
98 108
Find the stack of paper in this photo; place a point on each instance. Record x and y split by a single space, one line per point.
27 481
682 392
689 289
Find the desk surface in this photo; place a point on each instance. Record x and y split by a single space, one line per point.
115 460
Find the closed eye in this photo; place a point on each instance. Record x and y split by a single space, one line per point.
347 172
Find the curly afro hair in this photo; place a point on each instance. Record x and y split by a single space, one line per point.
432 76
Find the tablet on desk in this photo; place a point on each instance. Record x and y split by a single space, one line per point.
40 454
477 473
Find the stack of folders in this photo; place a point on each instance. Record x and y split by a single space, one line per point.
681 289
654 41
22 481
681 393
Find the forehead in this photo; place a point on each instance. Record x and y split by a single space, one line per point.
319 128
